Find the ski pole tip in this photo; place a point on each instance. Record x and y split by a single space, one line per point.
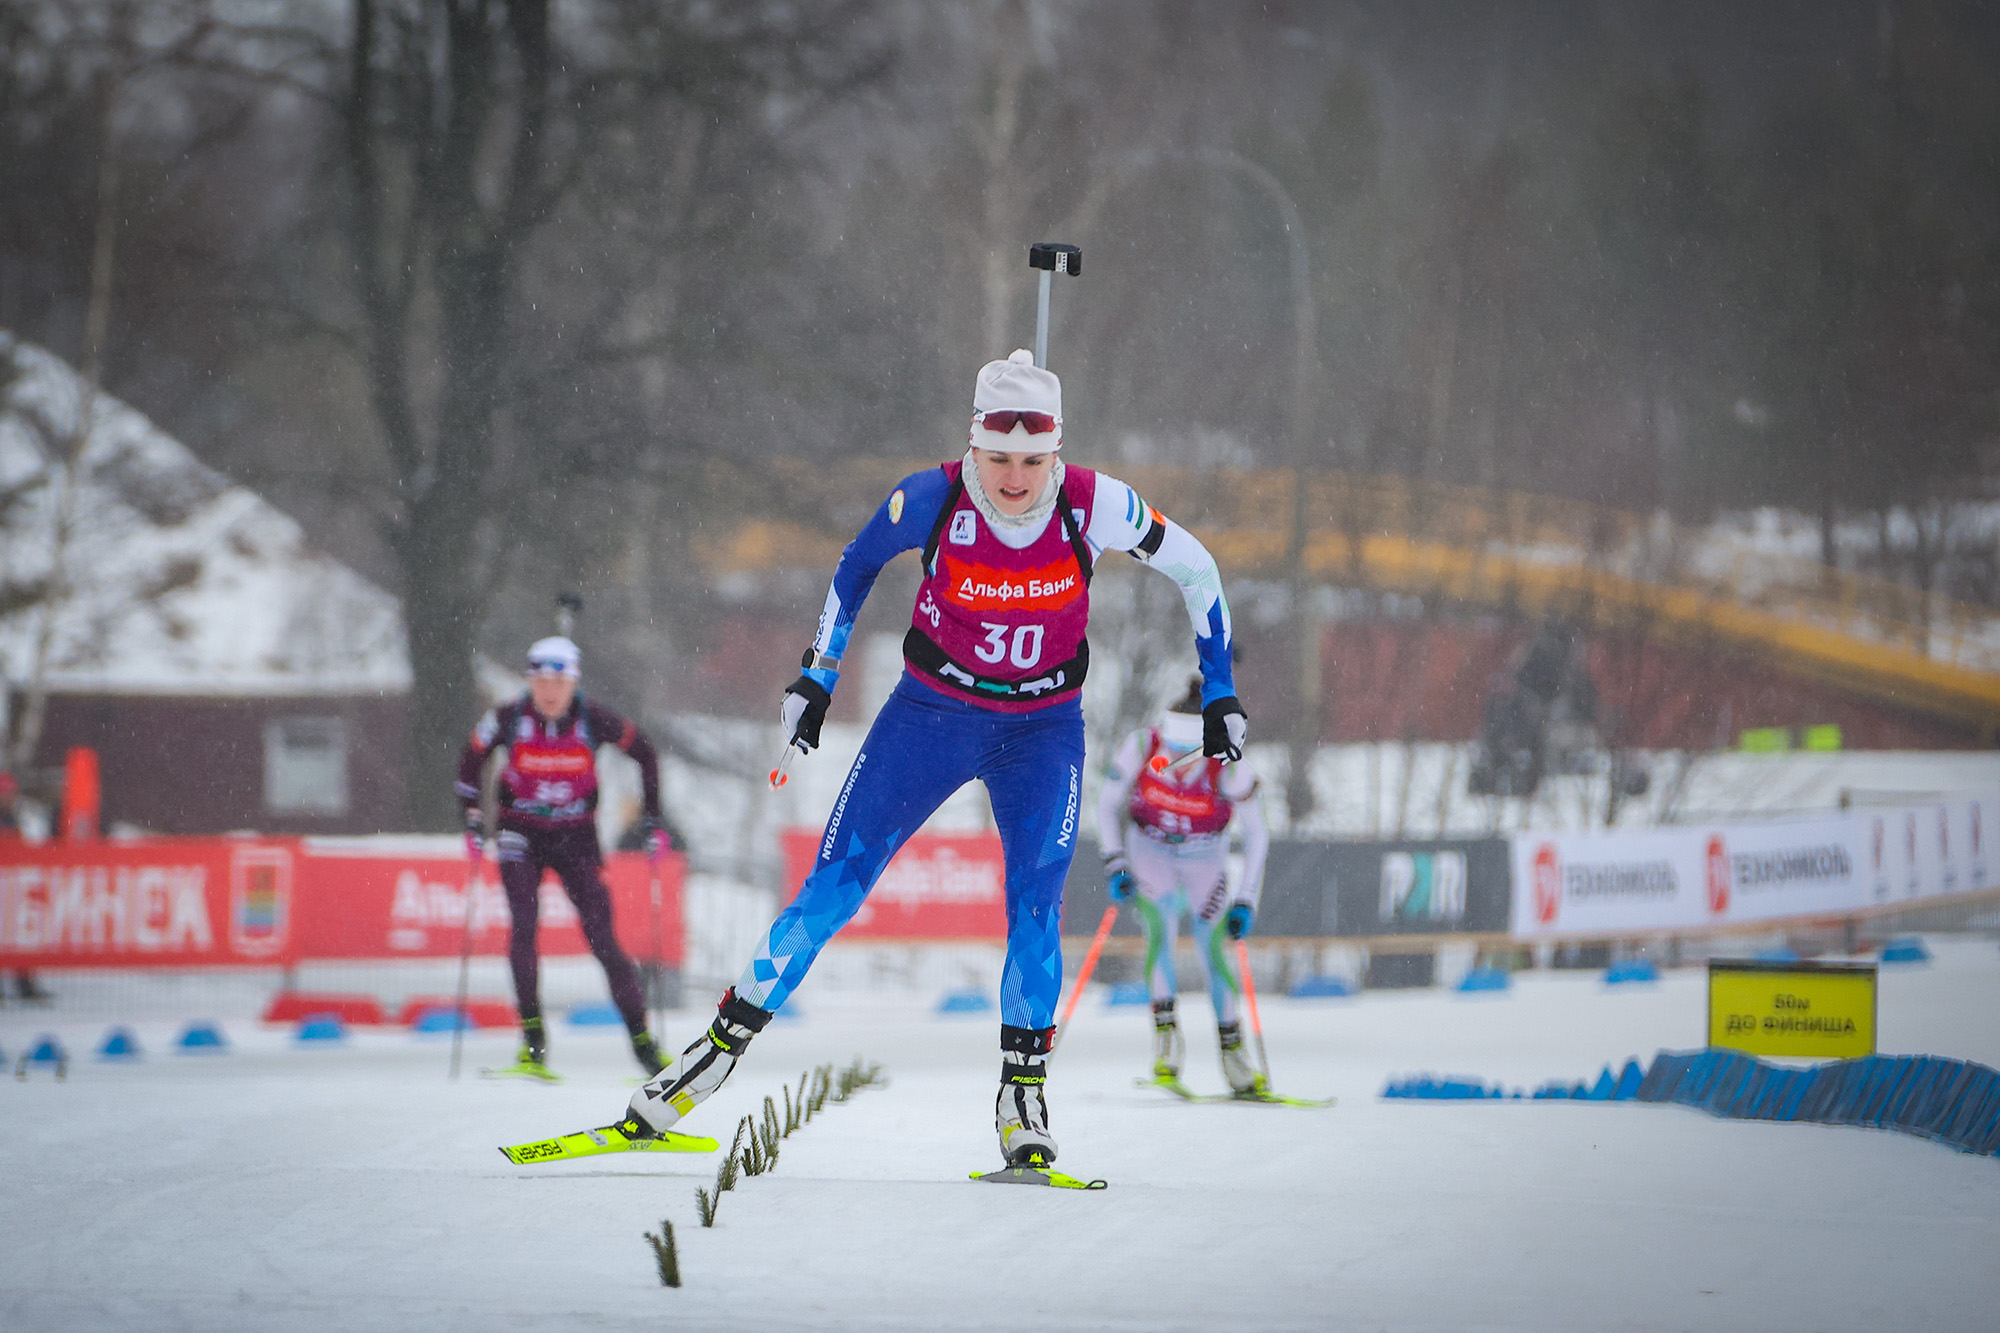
779 778
1158 763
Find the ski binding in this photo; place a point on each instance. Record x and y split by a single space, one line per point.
625 1136
1266 1098
540 1073
1036 1171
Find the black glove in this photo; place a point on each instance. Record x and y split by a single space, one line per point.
654 840
806 702
1224 729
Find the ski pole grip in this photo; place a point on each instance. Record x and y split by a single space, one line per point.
1056 257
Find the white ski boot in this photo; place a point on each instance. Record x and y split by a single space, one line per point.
1020 1113
1244 1080
701 1068
1168 1048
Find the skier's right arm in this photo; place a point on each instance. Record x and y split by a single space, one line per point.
471 760
902 523
1116 792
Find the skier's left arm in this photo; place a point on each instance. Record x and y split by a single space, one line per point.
1121 521
611 729
1256 844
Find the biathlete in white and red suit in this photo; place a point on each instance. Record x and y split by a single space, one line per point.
1165 837
994 657
548 821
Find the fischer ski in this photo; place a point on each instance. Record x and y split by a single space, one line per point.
1036 1171
525 1069
1037 1175
1187 1094
1268 1099
625 1136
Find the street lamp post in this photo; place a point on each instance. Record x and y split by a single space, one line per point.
1302 738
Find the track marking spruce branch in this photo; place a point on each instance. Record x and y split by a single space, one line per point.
755 1148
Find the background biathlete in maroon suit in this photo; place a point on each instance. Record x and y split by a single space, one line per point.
547 819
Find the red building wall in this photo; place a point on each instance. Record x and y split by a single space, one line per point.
192 764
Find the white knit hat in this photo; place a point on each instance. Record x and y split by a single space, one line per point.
555 656
1181 731
1017 385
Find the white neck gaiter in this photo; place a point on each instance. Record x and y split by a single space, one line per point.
1014 529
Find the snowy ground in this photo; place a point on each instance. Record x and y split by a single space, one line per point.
285 1187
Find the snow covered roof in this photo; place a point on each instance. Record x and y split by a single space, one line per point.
180 580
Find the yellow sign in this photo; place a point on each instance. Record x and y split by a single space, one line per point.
1821 1010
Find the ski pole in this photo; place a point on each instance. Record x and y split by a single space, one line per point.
1083 973
1250 993
1051 258
778 775
1161 766
464 960
659 947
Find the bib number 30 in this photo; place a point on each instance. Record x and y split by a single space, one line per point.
1023 651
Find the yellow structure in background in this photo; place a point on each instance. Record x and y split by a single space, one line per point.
1824 1011
1534 554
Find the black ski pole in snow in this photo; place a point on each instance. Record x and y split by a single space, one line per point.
464 961
1051 258
659 996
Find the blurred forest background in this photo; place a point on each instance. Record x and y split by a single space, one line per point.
505 298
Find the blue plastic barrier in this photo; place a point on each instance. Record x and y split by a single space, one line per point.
202 1038
1631 971
47 1052
968 1001
1954 1102
443 1018
595 1016
119 1044
1313 988
1905 949
1425 1087
322 1027
1485 979
1131 992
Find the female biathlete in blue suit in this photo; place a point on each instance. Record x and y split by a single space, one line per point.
994 659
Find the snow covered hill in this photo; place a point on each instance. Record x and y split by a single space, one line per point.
179 580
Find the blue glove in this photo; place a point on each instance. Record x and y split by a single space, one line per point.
1119 881
1238 920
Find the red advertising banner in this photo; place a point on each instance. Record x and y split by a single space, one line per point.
360 904
217 902
143 904
939 886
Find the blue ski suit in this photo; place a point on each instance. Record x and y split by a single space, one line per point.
929 739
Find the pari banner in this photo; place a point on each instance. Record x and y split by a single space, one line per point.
221 902
1358 889
1709 875
939 886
